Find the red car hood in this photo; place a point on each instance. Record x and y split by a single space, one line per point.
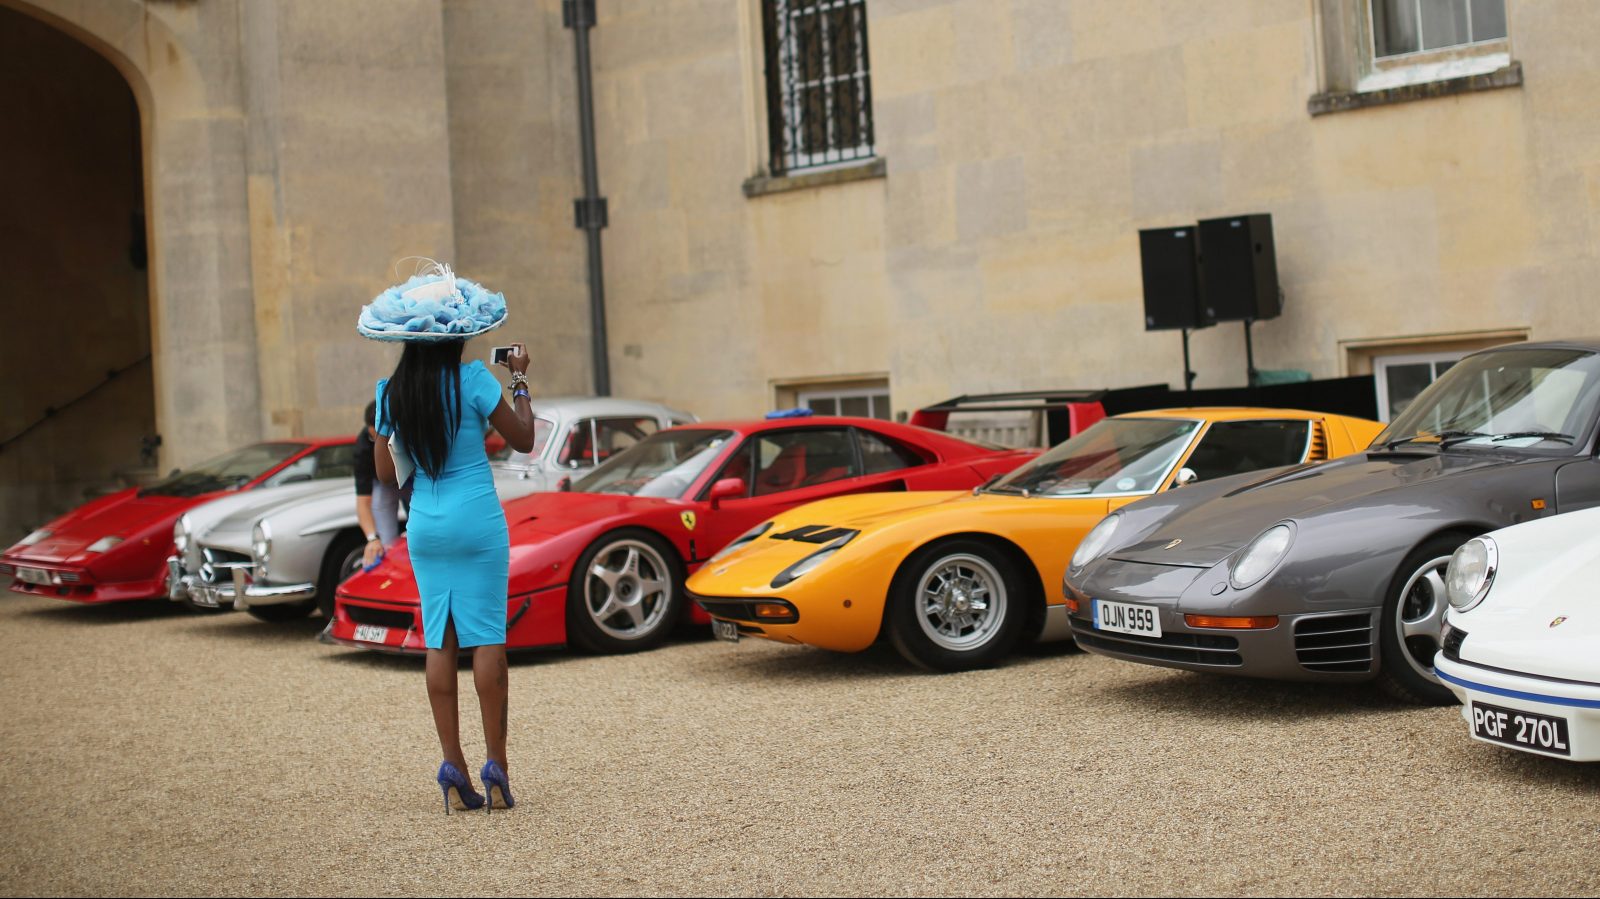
534 521
539 515
121 514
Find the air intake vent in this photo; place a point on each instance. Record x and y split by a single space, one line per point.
1192 649
380 617
1335 642
1319 443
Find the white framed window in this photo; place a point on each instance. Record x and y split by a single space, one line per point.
864 402
1418 41
1399 378
819 83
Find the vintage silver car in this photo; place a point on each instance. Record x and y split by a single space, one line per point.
281 561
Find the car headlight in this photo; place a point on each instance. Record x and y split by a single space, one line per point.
180 535
1096 542
35 537
260 547
809 563
1471 572
744 539
1261 556
103 544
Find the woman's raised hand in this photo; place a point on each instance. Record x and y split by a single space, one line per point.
518 360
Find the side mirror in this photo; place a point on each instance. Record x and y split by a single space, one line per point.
727 488
1186 476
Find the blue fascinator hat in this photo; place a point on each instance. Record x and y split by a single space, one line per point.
431 305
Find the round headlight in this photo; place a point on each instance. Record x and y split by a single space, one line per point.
261 545
180 534
1261 556
1097 541
1471 573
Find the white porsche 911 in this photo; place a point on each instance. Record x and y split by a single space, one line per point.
1521 643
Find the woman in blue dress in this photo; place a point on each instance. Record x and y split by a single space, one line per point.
432 415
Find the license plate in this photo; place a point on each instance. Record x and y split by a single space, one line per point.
33 576
371 633
725 630
1127 618
1522 729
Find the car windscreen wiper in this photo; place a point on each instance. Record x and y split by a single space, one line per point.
1440 437
1542 435
1006 488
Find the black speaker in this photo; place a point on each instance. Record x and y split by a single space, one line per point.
1171 281
1238 268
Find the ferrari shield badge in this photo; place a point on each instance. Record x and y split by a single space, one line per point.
688 520
1559 619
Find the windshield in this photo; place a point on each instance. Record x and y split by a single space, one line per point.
542 428
226 472
1505 398
661 465
1115 455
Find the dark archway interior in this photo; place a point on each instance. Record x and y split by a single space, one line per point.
74 287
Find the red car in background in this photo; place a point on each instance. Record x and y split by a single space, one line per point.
115 548
603 566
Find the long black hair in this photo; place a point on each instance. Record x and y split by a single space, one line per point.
422 401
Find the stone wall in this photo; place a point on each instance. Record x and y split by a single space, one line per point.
1026 143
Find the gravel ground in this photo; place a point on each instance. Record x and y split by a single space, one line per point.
153 751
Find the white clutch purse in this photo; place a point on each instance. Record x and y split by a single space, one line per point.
403 466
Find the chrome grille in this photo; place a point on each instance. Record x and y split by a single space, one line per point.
1189 649
1334 642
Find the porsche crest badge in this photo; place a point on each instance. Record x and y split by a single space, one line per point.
1559 619
688 520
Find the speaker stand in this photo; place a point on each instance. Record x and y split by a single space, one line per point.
1249 354
1188 374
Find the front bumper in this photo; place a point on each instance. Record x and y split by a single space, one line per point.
241 593
836 624
381 626
1578 703
1313 646
78 585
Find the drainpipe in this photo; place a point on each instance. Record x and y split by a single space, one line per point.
589 211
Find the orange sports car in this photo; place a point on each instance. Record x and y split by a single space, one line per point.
955 580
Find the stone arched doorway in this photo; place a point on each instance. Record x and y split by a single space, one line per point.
198 321
77 370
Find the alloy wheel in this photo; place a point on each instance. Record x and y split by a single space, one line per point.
1419 616
961 602
628 589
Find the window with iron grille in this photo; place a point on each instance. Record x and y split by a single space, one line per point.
819 86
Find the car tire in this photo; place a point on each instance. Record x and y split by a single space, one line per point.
342 559
932 617
626 593
1408 629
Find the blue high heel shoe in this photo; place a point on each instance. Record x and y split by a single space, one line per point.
497 786
452 781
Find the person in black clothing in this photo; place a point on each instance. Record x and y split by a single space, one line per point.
377 503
